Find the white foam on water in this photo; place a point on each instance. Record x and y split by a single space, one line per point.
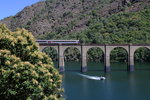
92 77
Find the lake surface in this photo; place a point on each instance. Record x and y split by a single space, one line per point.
119 84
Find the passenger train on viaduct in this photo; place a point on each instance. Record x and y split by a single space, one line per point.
58 41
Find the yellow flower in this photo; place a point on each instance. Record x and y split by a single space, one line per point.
26 63
34 81
39 86
20 38
50 80
40 56
49 74
3 71
32 66
7 62
59 81
54 85
5 51
18 74
15 65
34 73
28 48
39 63
15 58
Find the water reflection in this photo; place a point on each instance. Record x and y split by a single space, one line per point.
85 88
119 85
108 86
132 85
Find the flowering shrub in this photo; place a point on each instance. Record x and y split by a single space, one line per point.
25 72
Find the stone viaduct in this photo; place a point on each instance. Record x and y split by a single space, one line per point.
83 48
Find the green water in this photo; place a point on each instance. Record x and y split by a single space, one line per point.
119 84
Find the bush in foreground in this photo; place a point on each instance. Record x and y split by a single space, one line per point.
25 72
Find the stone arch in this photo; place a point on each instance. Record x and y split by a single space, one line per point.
85 49
72 59
142 57
66 47
124 49
108 49
113 47
41 48
94 48
72 47
100 47
137 47
96 65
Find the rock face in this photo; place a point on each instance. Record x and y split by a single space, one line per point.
68 16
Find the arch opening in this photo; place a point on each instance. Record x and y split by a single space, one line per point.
95 59
52 53
142 58
72 58
119 59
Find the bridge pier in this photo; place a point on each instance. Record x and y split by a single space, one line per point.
131 64
84 64
107 64
61 64
131 58
107 59
61 59
83 59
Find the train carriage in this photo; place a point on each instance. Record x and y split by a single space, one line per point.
58 41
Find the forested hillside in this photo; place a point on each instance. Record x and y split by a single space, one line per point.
90 21
122 28
128 27
68 16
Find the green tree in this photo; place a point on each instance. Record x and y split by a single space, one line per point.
25 72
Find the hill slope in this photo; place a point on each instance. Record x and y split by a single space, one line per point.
68 16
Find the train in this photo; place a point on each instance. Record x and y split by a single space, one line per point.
58 41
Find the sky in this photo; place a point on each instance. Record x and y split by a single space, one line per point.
12 7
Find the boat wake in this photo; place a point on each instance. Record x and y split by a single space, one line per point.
92 77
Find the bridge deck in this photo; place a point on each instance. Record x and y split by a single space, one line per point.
86 44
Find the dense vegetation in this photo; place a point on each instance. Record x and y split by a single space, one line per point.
25 72
90 21
62 17
120 28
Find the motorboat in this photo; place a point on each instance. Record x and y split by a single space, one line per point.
97 78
